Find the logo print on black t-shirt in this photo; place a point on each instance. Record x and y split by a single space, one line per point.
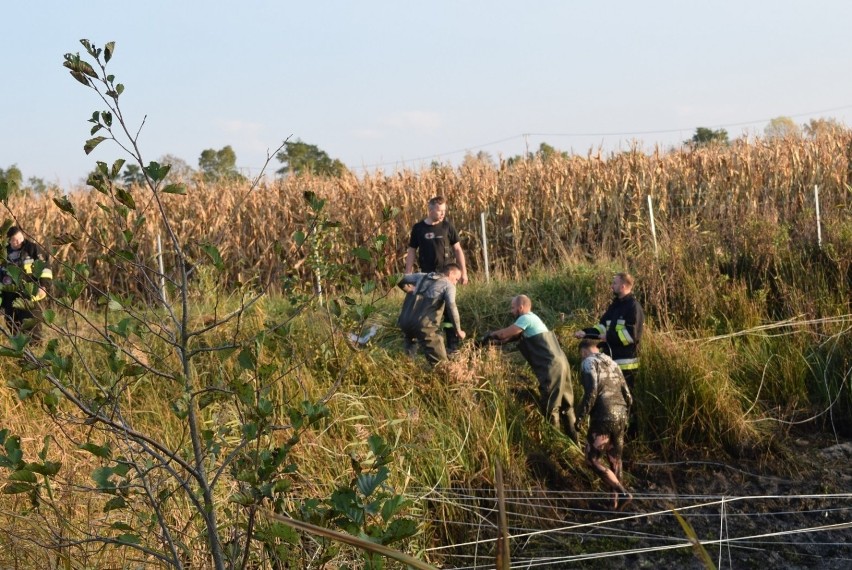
429 235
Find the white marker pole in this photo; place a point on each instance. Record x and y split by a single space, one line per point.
485 247
653 226
819 228
162 269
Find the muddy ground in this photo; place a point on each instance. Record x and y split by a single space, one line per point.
790 509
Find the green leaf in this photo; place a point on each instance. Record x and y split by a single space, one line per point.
399 529
64 204
208 398
114 305
13 456
101 476
87 69
129 539
362 253
368 482
109 49
213 253
45 445
247 359
378 446
393 505
92 143
15 488
156 171
102 451
48 468
51 399
118 525
134 370
49 316
241 499
299 238
80 77
225 353
24 476
175 189
125 198
180 407
116 166
115 503
281 532
265 407
249 431
22 386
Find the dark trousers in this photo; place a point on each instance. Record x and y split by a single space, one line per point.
453 340
26 321
632 426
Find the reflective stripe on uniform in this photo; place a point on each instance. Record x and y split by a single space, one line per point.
628 363
46 272
601 329
623 334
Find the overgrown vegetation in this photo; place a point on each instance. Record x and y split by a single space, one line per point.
748 338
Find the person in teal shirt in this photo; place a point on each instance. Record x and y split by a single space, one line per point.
542 351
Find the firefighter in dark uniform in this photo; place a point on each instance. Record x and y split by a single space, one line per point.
434 241
620 328
25 278
542 351
430 297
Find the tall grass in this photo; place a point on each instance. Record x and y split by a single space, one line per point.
697 394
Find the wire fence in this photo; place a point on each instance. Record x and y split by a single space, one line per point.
558 529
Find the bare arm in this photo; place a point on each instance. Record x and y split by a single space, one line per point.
450 307
507 334
409 260
459 253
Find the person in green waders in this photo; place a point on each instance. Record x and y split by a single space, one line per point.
540 347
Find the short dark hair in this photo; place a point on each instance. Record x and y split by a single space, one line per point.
449 267
437 201
626 278
12 231
588 343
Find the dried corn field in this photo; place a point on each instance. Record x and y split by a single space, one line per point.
538 212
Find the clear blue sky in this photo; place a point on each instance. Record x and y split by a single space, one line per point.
386 84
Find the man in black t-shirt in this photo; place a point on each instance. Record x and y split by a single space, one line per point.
435 243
